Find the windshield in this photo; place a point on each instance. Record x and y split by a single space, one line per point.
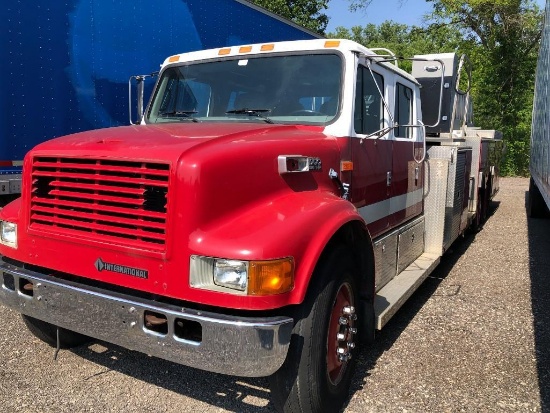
301 89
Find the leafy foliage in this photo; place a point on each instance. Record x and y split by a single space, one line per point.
306 13
401 39
501 38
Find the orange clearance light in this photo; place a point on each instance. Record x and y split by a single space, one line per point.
270 277
223 52
245 49
332 43
346 166
267 47
173 59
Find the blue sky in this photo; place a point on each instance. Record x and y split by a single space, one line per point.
402 11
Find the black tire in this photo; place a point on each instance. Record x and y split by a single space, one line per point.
488 199
313 378
478 223
48 333
481 209
367 332
536 207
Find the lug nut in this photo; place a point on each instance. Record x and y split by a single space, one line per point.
343 321
349 309
344 359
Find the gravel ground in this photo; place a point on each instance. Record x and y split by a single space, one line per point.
475 337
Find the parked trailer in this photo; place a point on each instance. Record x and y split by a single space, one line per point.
539 188
277 204
68 63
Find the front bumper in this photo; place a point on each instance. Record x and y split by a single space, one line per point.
240 346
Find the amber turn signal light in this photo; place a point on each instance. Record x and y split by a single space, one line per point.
271 277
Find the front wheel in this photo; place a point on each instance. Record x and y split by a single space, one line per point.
317 372
48 333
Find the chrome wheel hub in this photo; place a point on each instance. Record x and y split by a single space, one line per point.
345 335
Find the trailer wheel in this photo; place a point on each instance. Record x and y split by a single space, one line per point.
317 372
481 209
48 333
536 207
478 223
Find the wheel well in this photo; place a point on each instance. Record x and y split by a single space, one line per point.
354 236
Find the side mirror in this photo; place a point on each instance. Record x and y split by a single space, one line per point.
139 82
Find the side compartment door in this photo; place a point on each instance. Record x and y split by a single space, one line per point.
372 156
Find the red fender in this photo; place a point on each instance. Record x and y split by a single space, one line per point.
300 232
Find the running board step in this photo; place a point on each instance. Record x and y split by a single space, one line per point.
394 294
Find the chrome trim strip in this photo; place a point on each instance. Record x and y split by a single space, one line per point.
240 346
374 212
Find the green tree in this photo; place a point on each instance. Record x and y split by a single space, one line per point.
501 38
401 39
306 13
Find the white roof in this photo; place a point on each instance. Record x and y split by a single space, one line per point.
347 47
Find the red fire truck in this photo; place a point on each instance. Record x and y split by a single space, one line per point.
275 206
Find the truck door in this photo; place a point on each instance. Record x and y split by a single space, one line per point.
371 155
406 185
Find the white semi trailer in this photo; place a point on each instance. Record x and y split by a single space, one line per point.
539 187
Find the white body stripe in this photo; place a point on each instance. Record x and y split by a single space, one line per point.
374 212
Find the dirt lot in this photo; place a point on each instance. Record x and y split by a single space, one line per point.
475 337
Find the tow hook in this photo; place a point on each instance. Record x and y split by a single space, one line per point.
153 320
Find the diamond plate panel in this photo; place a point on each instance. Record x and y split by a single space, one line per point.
385 257
410 244
436 175
453 205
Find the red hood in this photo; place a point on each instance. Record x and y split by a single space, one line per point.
223 195
167 141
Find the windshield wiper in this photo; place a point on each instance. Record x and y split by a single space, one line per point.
252 112
186 114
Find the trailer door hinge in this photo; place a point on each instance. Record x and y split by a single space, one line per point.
388 178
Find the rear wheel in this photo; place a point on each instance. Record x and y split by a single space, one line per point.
481 210
48 333
317 372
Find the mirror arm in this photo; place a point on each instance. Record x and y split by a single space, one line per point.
140 83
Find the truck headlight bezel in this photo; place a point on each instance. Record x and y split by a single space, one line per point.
241 277
8 234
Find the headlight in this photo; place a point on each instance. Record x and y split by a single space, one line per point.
8 234
242 277
231 274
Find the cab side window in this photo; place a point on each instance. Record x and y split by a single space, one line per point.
369 110
403 110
